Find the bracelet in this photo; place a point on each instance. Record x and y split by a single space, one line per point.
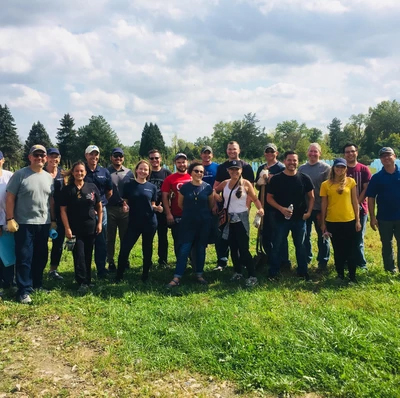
9 219
53 220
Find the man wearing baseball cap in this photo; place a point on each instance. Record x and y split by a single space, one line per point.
117 217
169 191
30 212
384 190
100 177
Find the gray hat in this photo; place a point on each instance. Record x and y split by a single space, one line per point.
206 148
180 155
386 149
270 146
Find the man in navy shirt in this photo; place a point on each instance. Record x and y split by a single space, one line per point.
102 179
384 188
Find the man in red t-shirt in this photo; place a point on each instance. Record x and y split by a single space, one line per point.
169 191
362 175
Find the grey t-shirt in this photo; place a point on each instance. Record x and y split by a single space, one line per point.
318 172
33 191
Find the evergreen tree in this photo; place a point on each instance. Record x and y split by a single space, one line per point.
337 138
10 143
66 139
151 138
97 132
37 136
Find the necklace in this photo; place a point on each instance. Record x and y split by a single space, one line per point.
197 192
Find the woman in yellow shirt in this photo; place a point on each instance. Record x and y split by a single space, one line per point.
340 216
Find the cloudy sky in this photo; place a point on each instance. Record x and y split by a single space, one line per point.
187 65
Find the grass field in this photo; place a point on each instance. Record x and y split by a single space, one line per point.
288 338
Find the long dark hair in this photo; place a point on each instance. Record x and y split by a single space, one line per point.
68 176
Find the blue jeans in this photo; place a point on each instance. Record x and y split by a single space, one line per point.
184 252
100 247
359 246
323 245
282 228
31 252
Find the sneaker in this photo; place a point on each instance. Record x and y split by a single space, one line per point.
25 299
55 275
236 277
252 281
83 289
273 278
162 264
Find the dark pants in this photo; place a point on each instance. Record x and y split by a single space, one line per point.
323 245
31 253
100 247
388 229
222 248
162 233
269 229
82 253
57 245
147 230
6 275
298 229
238 241
344 238
117 219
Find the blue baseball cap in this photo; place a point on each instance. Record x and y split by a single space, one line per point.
1 155
340 162
117 150
52 151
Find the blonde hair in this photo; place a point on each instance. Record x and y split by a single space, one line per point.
342 181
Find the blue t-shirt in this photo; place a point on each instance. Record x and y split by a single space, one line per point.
385 187
102 179
195 202
139 197
210 173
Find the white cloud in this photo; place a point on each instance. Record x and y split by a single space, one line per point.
99 99
26 97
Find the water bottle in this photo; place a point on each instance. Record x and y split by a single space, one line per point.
53 234
290 208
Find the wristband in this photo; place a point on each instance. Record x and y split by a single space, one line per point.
9 219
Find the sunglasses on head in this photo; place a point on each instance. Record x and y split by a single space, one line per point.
118 155
197 171
269 151
39 155
154 158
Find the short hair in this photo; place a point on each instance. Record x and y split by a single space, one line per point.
233 143
287 153
154 150
193 165
316 146
143 162
349 144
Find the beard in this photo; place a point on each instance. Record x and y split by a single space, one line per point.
182 169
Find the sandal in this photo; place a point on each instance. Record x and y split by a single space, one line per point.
173 283
201 280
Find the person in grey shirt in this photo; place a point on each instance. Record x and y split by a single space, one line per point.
29 204
318 172
117 211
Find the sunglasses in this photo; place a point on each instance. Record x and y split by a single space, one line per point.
39 155
197 171
269 151
117 155
154 158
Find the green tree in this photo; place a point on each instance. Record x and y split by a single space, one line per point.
383 120
151 138
37 136
66 139
97 132
10 143
289 133
337 138
314 135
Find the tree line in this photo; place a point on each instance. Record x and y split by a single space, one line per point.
379 127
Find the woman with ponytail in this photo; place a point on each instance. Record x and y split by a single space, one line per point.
340 217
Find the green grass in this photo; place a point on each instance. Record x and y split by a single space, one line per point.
282 338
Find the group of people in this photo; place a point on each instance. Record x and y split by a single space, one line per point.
202 203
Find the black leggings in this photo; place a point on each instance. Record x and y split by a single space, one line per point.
238 241
82 253
344 237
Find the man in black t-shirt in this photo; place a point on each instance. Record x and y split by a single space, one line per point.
286 189
157 176
233 152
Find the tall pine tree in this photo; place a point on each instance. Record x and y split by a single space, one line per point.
67 139
10 143
37 135
97 132
151 138
337 138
